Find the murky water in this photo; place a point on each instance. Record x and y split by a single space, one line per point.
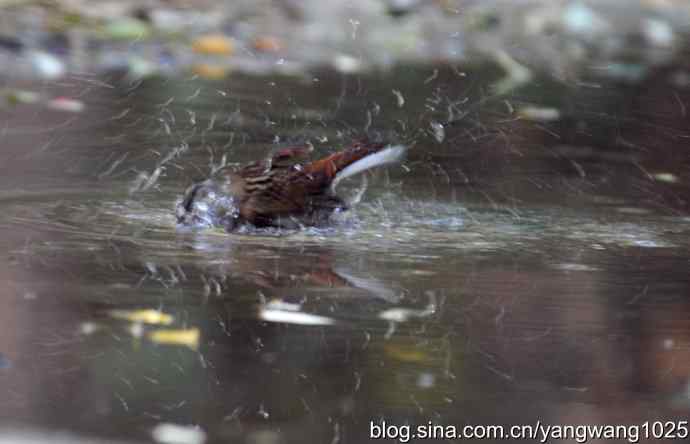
511 270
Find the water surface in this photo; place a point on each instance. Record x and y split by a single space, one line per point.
511 270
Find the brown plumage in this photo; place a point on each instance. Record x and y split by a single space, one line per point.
279 191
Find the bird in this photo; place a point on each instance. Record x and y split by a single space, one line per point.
285 190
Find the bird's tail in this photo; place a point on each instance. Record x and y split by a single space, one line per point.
354 160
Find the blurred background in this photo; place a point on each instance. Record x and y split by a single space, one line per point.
46 39
528 261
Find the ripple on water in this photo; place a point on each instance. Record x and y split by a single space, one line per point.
389 224
624 234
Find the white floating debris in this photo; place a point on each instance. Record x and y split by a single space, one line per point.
404 314
665 177
66 104
399 97
426 380
574 267
516 76
167 433
153 178
263 412
539 113
293 317
400 314
438 131
279 304
347 64
136 329
374 286
88 328
140 68
646 243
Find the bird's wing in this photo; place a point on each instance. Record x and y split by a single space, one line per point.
297 189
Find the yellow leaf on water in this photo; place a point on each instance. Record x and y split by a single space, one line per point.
188 337
539 114
405 353
145 316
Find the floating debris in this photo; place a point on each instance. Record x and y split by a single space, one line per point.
517 75
574 267
213 44
399 97
66 104
140 68
168 433
426 380
188 337
89 328
20 96
374 286
136 330
291 316
438 131
404 314
347 64
540 114
400 314
263 412
279 304
432 77
146 316
405 352
665 177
